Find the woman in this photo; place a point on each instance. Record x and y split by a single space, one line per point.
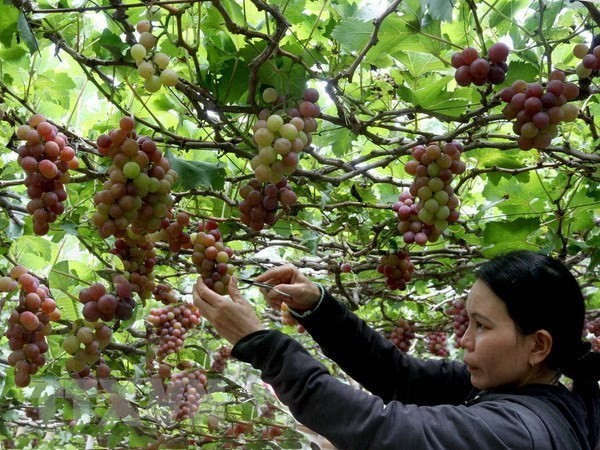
526 315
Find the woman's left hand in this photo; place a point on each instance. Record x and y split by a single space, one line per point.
233 318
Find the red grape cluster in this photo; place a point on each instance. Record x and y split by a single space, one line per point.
172 232
171 324
46 158
165 294
139 258
28 324
220 359
398 269
210 256
137 192
185 390
280 137
433 168
460 320
596 345
84 343
436 343
470 68
271 433
590 59
594 327
99 304
152 65
260 203
402 334
537 109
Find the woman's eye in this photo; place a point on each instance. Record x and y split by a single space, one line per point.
479 325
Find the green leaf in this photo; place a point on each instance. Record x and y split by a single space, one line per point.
8 23
197 173
501 237
418 63
26 34
519 70
110 44
353 34
441 9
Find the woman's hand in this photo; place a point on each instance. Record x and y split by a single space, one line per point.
303 293
233 319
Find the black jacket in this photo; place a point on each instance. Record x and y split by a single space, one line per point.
417 404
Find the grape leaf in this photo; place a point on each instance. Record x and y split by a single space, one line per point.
26 34
352 34
503 236
197 173
8 24
440 9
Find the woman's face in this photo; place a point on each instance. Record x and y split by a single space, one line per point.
496 355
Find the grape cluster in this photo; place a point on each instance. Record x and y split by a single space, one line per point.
152 65
280 136
139 258
590 59
185 390
271 433
470 68
398 269
433 168
165 294
220 359
596 345
460 320
593 327
537 109
172 232
260 203
136 195
46 159
28 324
99 304
436 343
402 334
210 257
171 324
84 343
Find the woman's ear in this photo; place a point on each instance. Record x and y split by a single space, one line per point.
541 346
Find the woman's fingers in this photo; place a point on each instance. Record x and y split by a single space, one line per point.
203 294
277 275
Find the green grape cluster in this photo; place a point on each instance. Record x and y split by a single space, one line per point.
152 65
136 195
281 135
83 344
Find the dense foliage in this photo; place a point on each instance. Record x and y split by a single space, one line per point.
357 140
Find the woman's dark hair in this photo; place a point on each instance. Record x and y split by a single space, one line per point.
540 293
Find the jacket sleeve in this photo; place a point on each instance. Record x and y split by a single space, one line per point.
378 365
353 419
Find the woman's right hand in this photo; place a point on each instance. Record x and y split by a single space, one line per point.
303 293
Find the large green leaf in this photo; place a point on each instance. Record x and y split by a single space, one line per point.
194 174
503 236
8 23
352 34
